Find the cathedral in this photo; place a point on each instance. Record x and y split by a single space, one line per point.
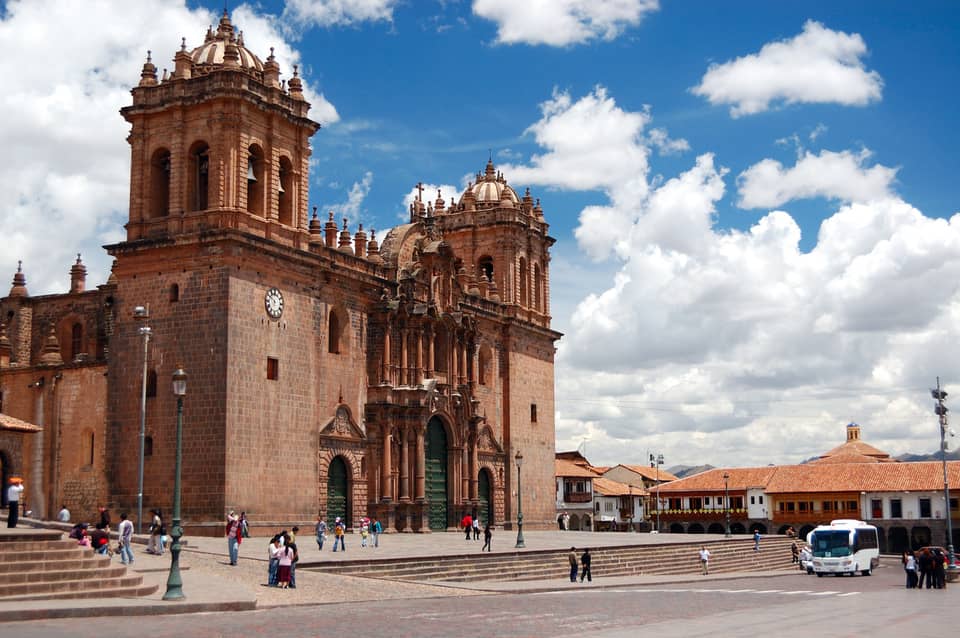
410 379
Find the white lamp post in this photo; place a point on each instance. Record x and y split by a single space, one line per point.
140 313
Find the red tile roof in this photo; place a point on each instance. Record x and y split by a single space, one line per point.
569 469
651 473
823 477
607 487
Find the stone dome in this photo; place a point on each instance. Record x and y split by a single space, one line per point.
214 48
492 188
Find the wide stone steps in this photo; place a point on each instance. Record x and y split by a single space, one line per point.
673 558
43 566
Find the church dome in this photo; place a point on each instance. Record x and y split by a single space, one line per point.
218 45
492 188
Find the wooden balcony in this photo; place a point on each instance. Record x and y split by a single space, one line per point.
577 497
697 515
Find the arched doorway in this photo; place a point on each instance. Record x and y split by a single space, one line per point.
806 529
696 528
737 528
898 540
758 527
715 528
676 528
338 495
574 524
436 473
485 507
920 536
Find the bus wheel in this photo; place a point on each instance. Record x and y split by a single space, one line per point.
867 572
819 574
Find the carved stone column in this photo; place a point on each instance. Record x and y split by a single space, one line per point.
386 354
419 492
474 468
385 468
404 467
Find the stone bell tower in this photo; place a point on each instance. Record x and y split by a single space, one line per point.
221 142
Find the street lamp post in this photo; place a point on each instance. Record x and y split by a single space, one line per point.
941 411
174 582
726 502
519 460
657 461
140 313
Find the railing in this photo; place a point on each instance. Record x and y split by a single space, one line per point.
701 514
577 497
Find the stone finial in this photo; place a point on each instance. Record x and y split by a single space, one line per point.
271 71
295 85
19 288
344 244
182 62
373 249
78 276
492 293
50 355
439 207
330 232
148 75
360 242
315 229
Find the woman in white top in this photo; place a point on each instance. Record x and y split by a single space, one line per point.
704 560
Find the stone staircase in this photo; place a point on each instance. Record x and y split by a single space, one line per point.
40 565
734 555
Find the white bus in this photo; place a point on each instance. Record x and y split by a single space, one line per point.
844 547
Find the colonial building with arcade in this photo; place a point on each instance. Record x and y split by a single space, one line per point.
410 378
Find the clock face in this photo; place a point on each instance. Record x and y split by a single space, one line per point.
273 303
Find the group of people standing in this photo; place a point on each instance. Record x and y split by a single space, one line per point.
585 560
368 527
471 527
928 564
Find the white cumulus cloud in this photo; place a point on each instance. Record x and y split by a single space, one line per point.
832 175
817 66
562 22
328 13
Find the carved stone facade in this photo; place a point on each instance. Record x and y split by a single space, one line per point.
326 373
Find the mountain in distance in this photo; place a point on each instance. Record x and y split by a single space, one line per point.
682 471
933 456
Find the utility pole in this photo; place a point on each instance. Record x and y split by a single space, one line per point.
941 411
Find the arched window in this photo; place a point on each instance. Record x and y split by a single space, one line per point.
159 184
523 278
174 292
333 333
198 177
537 288
254 177
152 383
76 341
285 193
485 266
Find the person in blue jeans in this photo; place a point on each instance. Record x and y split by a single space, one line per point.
234 536
125 534
376 529
572 557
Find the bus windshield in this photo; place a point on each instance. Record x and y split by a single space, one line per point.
827 544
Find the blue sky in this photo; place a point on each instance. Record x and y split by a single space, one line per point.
753 201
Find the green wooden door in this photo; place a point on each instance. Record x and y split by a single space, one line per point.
485 509
436 479
337 492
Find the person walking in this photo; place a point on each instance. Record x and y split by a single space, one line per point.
756 540
376 529
234 533
284 560
125 538
487 539
364 532
585 560
795 552
321 530
467 524
244 527
339 529
13 501
704 560
291 543
572 557
476 528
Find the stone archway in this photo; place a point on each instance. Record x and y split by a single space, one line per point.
715 528
676 528
436 485
737 528
574 522
338 491
783 529
695 528
920 537
898 540
485 497
806 529
758 527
